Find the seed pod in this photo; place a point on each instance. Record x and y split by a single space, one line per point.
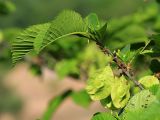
120 92
100 83
149 81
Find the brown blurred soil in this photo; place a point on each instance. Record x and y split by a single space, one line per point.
36 92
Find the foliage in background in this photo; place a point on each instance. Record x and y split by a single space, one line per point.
6 7
111 84
44 10
9 101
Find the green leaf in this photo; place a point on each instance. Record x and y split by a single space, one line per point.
149 81
99 84
102 33
25 41
66 24
97 29
149 113
39 39
120 92
140 101
54 104
141 107
81 98
92 21
128 56
103 116
39 36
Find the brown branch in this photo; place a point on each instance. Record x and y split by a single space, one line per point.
121 65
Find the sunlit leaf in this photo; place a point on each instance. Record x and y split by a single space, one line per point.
140 101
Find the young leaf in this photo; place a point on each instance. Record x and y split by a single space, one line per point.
92 22
126 49
102 34
97 29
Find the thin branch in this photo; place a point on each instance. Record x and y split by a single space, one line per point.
120 64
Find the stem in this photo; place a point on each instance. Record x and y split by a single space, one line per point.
120 64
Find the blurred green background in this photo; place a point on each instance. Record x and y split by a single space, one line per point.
18 14
29 12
